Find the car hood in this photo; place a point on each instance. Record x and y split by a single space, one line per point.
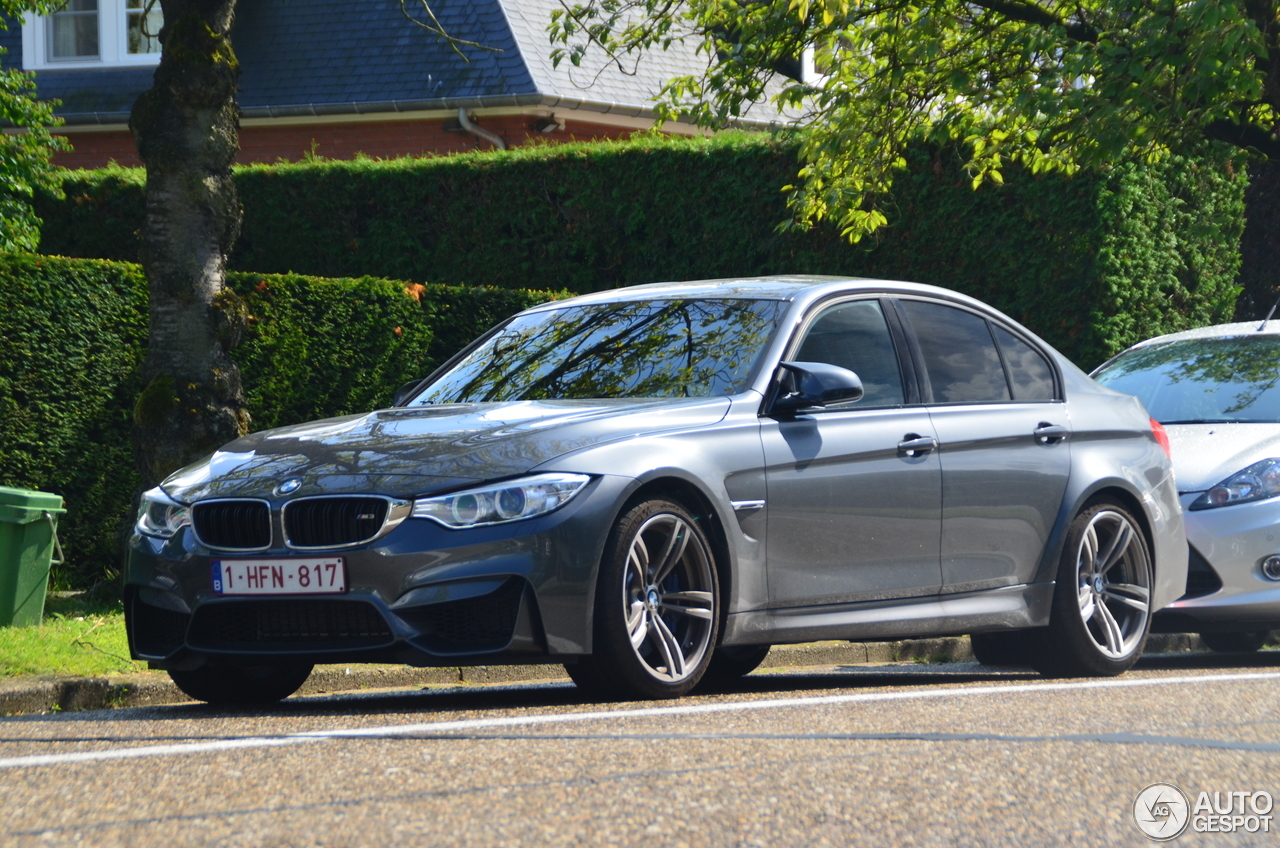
1206 454
408 452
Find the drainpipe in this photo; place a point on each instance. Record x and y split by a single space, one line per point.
480 132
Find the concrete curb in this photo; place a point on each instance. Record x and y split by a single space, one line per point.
64 694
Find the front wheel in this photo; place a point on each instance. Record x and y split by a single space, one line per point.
657 606
1102 603
229 684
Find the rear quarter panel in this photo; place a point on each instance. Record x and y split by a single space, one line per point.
1113 452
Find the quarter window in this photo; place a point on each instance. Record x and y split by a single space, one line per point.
855 336
960 355
1029 371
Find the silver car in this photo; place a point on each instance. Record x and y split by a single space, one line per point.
1217 392
655 484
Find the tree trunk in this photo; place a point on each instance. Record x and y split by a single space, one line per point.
186 128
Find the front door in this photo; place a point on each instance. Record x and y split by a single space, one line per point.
854 490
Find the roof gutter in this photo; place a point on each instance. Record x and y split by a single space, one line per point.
402 106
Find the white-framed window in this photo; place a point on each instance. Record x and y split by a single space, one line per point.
92 34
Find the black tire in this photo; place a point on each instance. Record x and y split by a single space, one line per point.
1011 648
1101 610
656 615
1241 642
228 684
731 662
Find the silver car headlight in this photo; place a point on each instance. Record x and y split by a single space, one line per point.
498 503
160 515
1255 483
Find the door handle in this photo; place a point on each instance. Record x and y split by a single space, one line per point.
913 444
1050 434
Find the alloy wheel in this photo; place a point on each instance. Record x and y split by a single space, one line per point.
668 599
1113 584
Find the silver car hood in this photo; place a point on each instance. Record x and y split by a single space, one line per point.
408 452
1206 454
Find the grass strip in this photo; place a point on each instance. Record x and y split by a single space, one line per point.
77 637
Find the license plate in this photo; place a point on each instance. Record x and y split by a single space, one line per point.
279 576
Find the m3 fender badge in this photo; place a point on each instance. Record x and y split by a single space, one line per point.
288 487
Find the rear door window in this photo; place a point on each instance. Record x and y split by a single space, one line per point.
960 355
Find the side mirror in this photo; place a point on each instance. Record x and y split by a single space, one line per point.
804 385
404 392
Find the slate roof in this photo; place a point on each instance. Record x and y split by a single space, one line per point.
324 57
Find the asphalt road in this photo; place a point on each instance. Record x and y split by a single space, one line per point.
952 754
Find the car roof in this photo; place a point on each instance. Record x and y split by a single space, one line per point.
1217 331
788 287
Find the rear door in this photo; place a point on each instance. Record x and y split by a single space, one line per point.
995 403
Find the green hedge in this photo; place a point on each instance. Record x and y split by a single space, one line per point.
319 347
73 336
1093 263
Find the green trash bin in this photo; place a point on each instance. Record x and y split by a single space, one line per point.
28 539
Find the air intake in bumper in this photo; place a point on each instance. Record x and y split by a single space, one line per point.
474 625
288 626
1201 578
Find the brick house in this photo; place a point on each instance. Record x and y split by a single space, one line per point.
337 78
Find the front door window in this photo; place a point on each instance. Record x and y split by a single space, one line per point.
852 517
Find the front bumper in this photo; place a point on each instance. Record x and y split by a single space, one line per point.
1226 589
420 595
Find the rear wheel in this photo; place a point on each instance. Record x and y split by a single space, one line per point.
1102 603
657 606
229 684
1235 643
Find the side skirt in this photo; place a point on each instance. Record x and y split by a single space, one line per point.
1006 608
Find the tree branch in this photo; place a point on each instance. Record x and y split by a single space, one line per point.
1030 13
1246 136
435 27
592 37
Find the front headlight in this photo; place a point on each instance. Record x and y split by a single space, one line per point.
1255 483
499 503
160 515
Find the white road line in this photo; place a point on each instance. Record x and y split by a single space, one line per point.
438 727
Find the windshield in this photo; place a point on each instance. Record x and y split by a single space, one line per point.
669 348
1202 380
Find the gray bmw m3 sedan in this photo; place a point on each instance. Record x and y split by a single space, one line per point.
653 485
